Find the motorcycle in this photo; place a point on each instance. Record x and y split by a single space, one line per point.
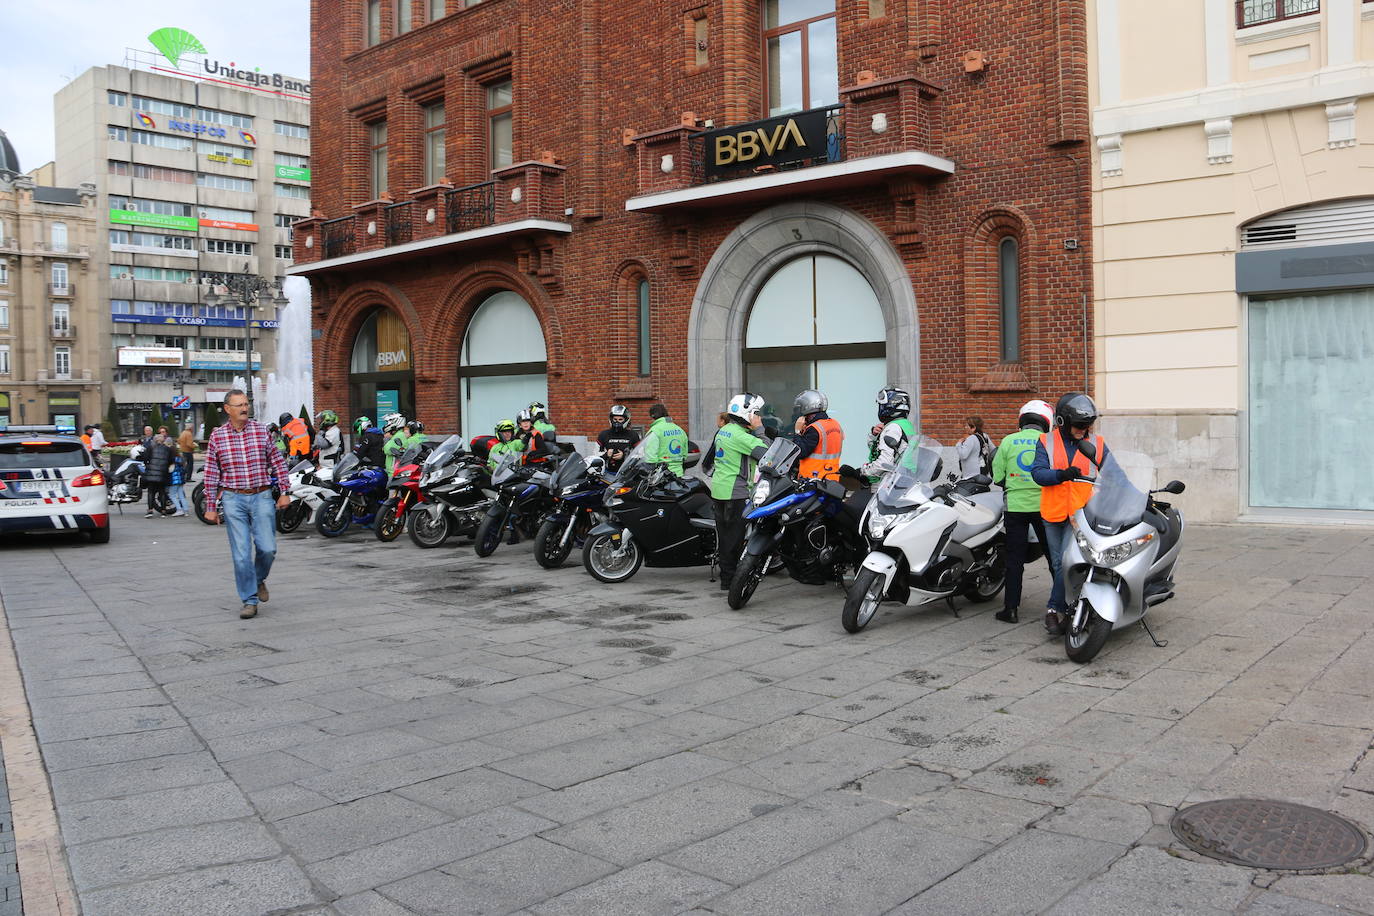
1120 561
929 541
404 488
656 519
578 489
360 491
126 485
523 496
456 491
805 523
308 488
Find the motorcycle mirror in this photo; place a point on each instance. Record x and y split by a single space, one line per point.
1088 449
1174 486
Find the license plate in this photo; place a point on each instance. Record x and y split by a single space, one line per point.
38 486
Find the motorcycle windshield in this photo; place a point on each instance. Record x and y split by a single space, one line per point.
779 458
506 468
908 484
1116 503
570 471
450 447
410 455
632 463
301 467
346 466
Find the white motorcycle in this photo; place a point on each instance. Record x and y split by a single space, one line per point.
309 489
930 541
1120 561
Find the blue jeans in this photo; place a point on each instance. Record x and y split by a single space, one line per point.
251 520
1057 536
178 494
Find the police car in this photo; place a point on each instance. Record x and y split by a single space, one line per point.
50 482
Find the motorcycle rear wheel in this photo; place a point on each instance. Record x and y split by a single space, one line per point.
198 502
861 604
1084 645
159 502
489 535
390 524
550 550
988 585
424 531
290 518
748 574
601 559
334 517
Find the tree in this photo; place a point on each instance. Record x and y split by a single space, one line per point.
111 425
214 418
155 418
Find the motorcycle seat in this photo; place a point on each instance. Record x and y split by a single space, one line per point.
698 505
702 522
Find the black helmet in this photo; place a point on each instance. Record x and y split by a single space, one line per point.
893 403
284 419
1075 409
622 413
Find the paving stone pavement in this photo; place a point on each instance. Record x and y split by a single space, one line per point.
408 731
10 900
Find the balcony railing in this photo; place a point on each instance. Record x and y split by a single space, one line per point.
1259 12
400 226
64 331
473 207
793 141
59 289
338 237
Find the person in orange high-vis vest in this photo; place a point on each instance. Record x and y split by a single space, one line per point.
296 434
1059 468
819 436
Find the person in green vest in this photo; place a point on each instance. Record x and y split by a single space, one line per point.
665 442
540 413
394 431
732 462
1011 469
889 436
506 443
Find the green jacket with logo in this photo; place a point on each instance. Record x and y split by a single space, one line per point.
500 449
665 443
737 452
1011 467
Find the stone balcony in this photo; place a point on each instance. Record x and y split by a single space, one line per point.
881 129
522 200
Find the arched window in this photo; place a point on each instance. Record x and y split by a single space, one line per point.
642 311
816 323
1009 297
381 377
503 365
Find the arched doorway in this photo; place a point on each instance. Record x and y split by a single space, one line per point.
381 378
503 364
816 323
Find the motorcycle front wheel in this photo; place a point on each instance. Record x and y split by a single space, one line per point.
489 535
1082 646
425 531
610 562
290 518
862 601
334 517
159 502
198 502
550 547
391 520
748 574
988 584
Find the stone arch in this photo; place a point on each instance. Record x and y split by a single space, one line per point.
746 259
449 321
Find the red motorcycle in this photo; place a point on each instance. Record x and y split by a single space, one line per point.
404 488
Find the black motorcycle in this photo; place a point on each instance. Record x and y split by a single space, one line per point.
578 489
804 523
657 519
456 489
126 486
522 499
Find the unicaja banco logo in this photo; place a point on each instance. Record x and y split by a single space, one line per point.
175 42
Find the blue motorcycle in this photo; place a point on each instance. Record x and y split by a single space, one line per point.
579 491
804 523
361 491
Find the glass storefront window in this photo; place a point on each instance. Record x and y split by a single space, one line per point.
503 363
380 370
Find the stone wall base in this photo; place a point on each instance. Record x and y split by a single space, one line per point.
1199 447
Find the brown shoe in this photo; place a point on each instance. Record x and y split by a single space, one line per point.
248 610
262 592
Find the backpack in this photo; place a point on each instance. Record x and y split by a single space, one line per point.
985 453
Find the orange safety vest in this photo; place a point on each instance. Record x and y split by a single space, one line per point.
825 460
1061 500
297 437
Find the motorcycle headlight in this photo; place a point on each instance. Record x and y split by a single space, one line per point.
1114 555
568 491
761 491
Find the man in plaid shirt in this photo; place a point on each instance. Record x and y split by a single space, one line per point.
240 462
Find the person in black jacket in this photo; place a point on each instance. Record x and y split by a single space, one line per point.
368 446
157 463
617 441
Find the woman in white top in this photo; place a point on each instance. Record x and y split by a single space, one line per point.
974 450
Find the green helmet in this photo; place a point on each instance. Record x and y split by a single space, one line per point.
507 426
327 418
361 424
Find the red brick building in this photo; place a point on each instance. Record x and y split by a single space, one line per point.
589 202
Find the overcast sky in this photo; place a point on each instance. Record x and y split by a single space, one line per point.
48 43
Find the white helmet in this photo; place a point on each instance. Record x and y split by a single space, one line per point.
745 406
1036 413
393 423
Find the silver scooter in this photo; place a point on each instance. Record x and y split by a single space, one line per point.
929 541
1120 561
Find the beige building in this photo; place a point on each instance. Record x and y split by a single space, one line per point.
1233 204
197 179
50 312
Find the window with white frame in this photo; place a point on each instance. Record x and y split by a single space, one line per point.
287 129
227 214
165 141
115 132
58 235
224 246
4 273
4 313
4 359
221 343
283 252
113 97
61 317
298 191
225 182
59 276
62 362
435 138
291 160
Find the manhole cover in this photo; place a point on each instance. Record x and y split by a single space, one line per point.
1268 834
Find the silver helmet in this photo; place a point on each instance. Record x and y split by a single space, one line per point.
810 401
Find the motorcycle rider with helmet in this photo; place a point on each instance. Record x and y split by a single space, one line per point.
1011 470
818 436
297 436
536 447
540 414
1059 468
393 431
734 455
888 437
665 442
328 441
506 443
618 439
368 446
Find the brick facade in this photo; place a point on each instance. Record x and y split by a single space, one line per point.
603 89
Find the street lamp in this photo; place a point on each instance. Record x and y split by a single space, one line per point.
250 292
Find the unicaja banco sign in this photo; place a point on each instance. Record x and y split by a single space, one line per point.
174 44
